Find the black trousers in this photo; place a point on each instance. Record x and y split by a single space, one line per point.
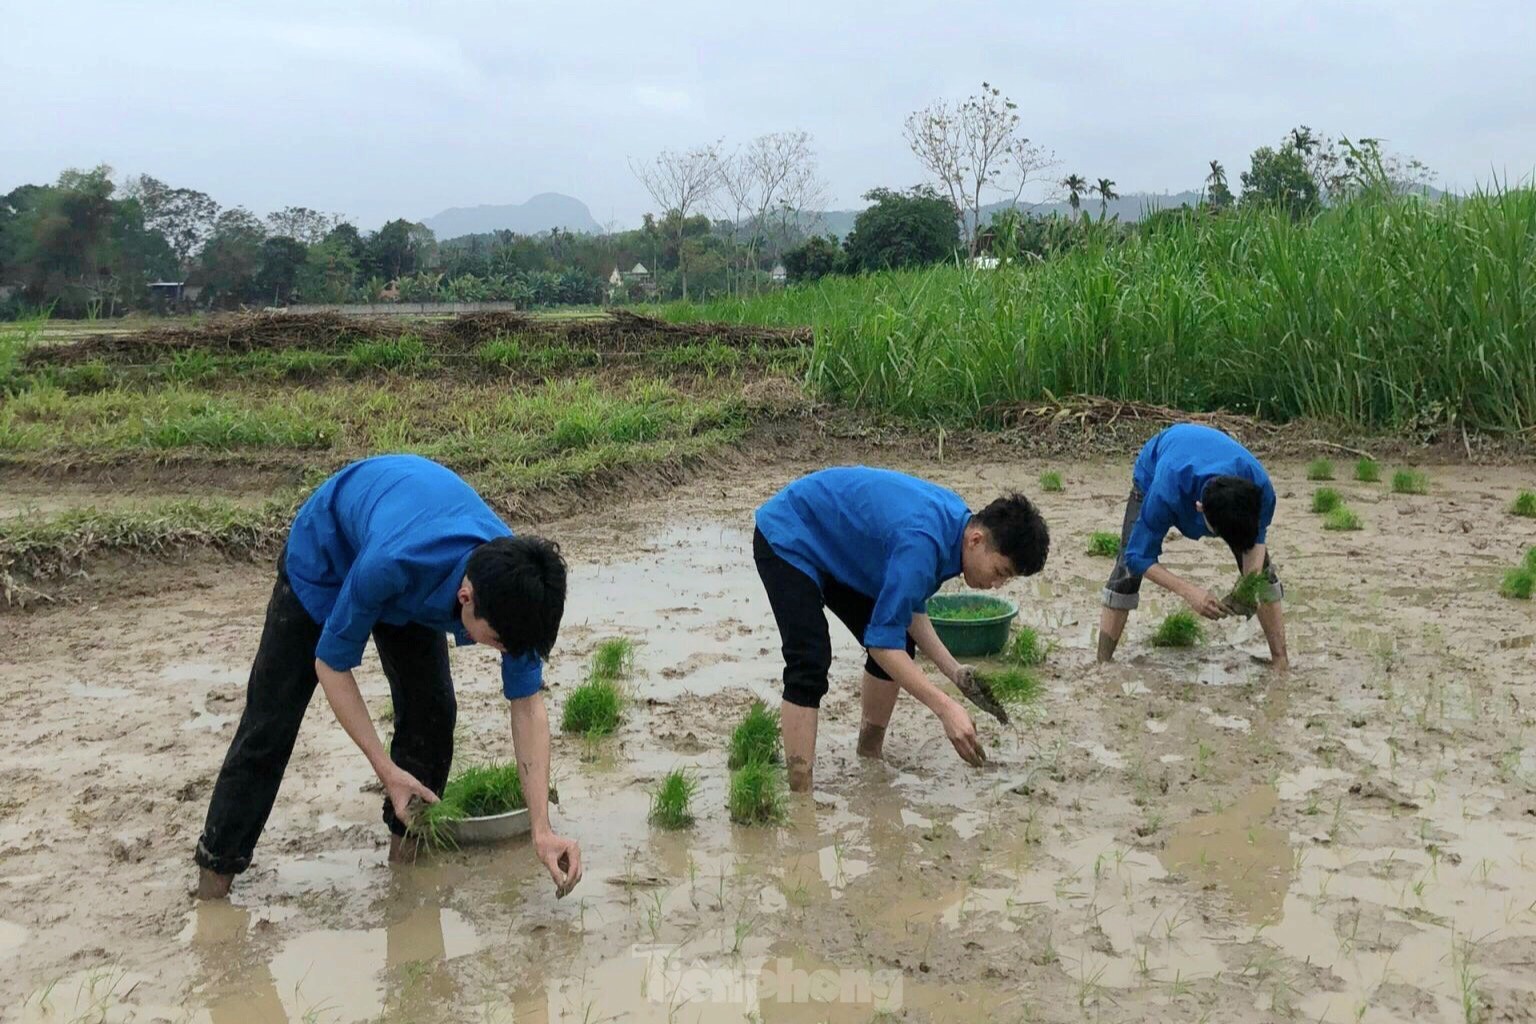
798 605
415 660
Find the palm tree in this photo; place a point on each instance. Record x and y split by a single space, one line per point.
1218 175
1220 197
1106 190
1076 186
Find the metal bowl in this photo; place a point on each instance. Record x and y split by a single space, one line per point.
493 828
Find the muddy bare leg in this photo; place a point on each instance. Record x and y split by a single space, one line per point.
213 886
878 699
1111 626
799 727
1272 620
403 849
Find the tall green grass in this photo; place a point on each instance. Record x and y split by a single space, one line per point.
1381 313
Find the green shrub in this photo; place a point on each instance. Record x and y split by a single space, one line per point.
1104 545
594 708
1367 471
1325 500
757 794
1341 518
671 803
1410 481
1026 649
1051 482
755 738
1524 505
1180 629
1320 469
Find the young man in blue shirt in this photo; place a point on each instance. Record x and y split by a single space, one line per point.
872 546
399 548
1201 481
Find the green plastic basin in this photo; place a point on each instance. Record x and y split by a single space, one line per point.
972 625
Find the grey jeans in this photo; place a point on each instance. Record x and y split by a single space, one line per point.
1123 589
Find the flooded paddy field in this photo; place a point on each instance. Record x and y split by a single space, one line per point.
1180 836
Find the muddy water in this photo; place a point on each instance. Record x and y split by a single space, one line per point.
1175 837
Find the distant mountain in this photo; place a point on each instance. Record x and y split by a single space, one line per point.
539 214
1130 207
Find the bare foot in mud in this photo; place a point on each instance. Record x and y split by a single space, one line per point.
872 740
213 886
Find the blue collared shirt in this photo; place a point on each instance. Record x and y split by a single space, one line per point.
1171 472
387 540
887 535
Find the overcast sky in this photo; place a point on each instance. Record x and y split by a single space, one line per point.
385 109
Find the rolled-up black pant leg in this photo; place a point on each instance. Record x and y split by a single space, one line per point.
281 683
797 608
415 660
1123 589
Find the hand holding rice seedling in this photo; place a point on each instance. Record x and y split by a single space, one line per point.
1180 629
478 791
1247 595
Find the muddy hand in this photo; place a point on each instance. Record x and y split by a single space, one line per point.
405 791
561 857
979 693
962 735
1235 605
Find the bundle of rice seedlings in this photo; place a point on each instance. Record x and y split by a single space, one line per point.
1249 593
1051 482
1320 469
1013 687
1410 481
671 803
1341 518
1519 583
1026 649
474 792
1367 471
1524 505
594 708
1104 545
613 659
1180 629
1325 500
756 795
755 738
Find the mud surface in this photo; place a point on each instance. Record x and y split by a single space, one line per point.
1179 836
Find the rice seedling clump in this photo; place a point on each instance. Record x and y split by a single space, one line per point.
475 792
1250 590
671 803
594 708
1104 545
1026 649
1519 583
1320 469
756 738
1524 505
1410 481
1051 482
1367 471
1325 500
966 609
756 795
613 659
1341 518
1012 686
1180 629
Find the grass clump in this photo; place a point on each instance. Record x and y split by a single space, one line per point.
1050 482
756 795
1519 583
1410 481
1367 471
1325 500
1320 469
475 792
755 739
1026 649
671 803
1103 545
614 659
1014 687
1524 505
1341 518
594 708
1181 629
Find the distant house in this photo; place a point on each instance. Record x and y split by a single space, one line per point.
778 275
637 273
615 278
167 291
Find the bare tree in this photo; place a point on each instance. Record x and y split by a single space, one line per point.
735 201
974 147
774 181
681 183
184 216
302 223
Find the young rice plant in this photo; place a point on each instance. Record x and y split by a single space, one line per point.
1325 500
1180 629
1367 471
1410 481
1104 545
1341 518
755 739
671 803
1050 482
756 795
1320 469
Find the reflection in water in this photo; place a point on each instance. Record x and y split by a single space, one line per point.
1235 851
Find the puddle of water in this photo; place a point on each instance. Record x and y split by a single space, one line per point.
92 692
1234 850
206 672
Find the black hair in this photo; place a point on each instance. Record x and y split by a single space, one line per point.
519 585
1231 504
1017 532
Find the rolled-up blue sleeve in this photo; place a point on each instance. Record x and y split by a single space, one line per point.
522 676
908 584
1145 545
369 585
